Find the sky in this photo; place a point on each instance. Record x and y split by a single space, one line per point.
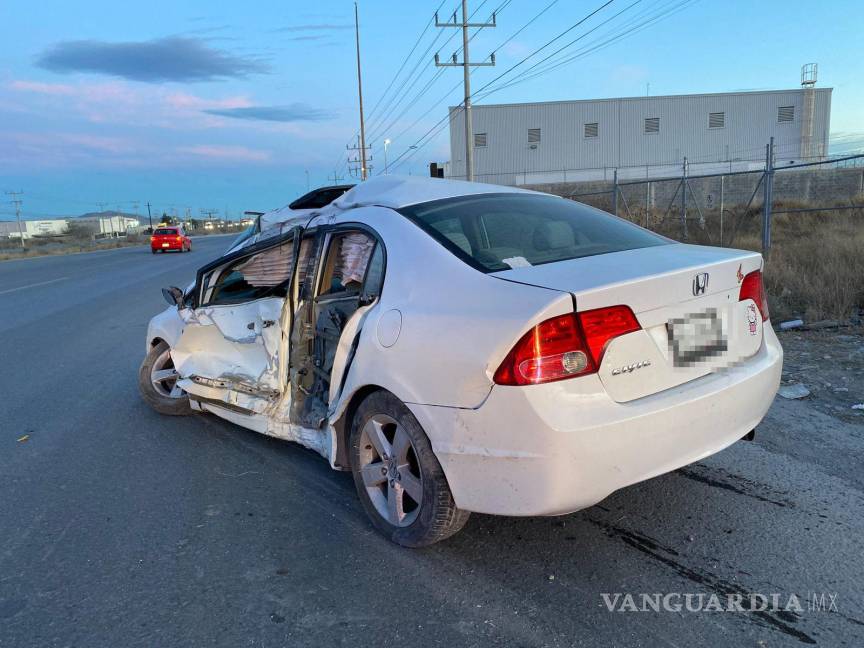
236 106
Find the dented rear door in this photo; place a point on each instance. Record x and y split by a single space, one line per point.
233 348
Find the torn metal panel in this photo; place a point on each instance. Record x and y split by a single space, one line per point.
237 344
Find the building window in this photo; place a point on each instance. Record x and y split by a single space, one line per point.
533 135
592 129
652 124
716 120
785 114
479 140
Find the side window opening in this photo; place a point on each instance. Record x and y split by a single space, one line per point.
265 274
345 267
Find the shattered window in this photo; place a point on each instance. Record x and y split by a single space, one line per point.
347 259
269 268
265 274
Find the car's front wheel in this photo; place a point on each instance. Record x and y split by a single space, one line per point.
157 382
398 478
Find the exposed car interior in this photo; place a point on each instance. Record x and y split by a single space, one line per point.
349 277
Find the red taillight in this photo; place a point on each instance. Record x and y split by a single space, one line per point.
179 239
564 347
752 288
603 324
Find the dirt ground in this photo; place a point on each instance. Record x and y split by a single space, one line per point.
830 364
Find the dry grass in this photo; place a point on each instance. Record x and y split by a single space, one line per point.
37 247
816 266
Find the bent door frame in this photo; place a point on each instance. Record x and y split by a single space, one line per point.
232 389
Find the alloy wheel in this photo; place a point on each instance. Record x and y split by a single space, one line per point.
390 470
164 376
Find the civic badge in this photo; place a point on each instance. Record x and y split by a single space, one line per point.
700 284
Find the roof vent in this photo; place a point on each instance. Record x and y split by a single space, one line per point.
785 114
591 129
533 135
479 140
652 124
716 120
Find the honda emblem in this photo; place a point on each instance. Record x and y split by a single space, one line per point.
700 284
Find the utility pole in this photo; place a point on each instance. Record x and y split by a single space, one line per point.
336 179
17 202
149 217
466 65
362 145
362 159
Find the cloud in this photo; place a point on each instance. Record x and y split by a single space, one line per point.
291 113
233 153
120 102
174 58
314 27
311 37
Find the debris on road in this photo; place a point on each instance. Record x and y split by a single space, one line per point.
791 324
23 438
858 406
793 391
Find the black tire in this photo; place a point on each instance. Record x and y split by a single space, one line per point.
162 403
437 517
152 251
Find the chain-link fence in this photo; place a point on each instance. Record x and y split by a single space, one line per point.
806 219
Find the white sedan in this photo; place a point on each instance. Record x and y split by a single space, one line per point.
465 347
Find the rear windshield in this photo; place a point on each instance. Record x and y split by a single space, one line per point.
170 232
495 232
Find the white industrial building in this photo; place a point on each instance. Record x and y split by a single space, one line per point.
564 141
30 228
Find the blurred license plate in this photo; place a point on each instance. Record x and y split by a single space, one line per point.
166 245
695 337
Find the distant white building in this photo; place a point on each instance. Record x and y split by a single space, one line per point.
31 228
115 225
561 141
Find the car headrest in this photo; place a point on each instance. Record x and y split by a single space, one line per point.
460 240
551 235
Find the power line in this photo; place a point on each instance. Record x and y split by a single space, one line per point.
593 46
438 75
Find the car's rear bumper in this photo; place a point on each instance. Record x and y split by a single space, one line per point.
170 246
556 448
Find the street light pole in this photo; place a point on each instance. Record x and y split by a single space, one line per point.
363 169
386 144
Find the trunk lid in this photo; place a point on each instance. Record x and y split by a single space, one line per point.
689 290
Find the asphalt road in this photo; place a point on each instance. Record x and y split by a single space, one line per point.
119 527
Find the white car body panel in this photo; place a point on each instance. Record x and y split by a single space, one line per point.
440 328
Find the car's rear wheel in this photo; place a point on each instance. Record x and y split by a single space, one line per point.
157 382
152 250
398 478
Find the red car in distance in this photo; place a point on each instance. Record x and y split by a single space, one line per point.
170 238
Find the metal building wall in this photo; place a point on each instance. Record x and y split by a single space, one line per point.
565 154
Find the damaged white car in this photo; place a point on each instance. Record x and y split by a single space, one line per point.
466 347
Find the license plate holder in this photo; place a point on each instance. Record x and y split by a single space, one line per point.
166 245
696 337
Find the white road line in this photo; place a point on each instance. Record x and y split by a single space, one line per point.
41 283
